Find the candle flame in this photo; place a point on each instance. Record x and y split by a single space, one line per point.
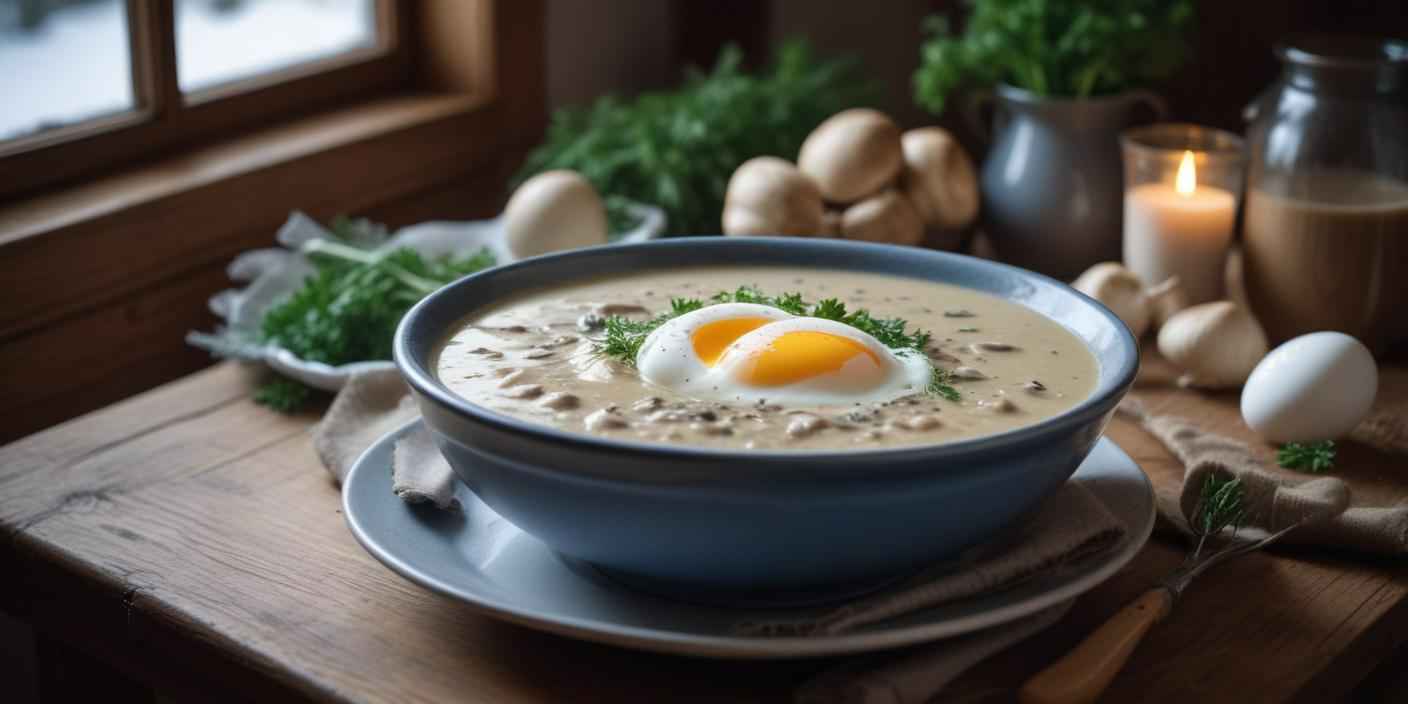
1187 178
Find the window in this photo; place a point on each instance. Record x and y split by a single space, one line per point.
91 84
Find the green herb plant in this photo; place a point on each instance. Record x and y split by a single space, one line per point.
1220 506
1061 48
1311 457
348 309
677 149
623 337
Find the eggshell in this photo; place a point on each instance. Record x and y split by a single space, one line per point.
853 154
1314 387
553 211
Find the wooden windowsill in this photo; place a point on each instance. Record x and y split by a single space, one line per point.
69 251
148 184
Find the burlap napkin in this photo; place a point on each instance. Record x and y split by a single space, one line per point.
1274 500
370 405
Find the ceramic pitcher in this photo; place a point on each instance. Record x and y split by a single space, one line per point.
1052 184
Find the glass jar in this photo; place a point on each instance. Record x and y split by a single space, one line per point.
1325 229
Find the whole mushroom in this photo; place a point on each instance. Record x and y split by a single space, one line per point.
1120 290
853 154
885 217
769 196
1216 344
553 211
939 178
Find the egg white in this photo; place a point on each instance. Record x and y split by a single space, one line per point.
667 357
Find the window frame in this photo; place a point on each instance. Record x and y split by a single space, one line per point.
165 121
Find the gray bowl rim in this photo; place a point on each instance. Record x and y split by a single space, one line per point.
424 381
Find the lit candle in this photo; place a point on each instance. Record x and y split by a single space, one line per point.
1180 230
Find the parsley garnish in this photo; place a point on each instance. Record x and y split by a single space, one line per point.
348 309
284 395
623 337
1311 457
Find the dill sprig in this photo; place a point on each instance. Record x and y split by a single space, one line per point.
890 332
623 337
1220 505
941 384
1312 457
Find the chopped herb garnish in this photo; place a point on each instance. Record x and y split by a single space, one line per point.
941 384
348 308
1311 457
967 329
283 395
1220 506
623 337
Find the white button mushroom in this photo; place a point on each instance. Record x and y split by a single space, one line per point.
1120 290
887 217
939 178
769 196
553 211
1216 344
853 154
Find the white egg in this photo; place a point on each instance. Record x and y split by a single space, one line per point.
1314 387
679 354
816 361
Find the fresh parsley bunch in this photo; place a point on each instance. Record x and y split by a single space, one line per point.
677 149
348 309
1066 48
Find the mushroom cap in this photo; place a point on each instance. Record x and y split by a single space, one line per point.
1120 290
769 196
939 178
853 154
553 211
884 217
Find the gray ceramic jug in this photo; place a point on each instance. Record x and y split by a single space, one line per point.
1052 184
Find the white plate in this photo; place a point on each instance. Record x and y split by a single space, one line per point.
484 560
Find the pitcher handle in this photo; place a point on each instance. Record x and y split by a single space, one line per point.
975 108
1155 102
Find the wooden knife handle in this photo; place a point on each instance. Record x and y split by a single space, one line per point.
1084 673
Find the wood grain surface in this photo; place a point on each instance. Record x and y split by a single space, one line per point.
191 537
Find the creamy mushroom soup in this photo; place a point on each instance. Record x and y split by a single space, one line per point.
784 363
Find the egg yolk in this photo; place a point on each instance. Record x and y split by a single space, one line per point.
797 356
711 339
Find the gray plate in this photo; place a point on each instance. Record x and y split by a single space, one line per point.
485 561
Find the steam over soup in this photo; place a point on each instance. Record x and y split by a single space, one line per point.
768 358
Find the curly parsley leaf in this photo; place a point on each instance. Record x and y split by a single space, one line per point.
1312 457
284 395
1068 48
348 309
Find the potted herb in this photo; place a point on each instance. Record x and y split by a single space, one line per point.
1066 76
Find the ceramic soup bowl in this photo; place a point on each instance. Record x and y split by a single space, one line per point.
759 526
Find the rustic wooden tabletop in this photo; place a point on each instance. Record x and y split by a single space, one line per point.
189 537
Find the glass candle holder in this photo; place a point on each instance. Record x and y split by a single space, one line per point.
1182 184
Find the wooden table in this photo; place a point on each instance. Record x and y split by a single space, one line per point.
190 538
